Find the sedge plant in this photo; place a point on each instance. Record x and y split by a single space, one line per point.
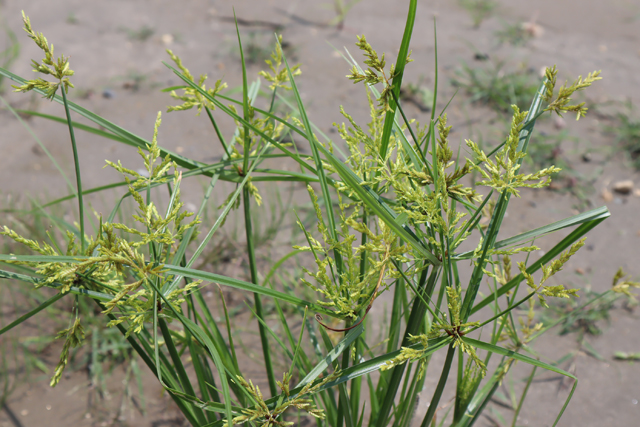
395 215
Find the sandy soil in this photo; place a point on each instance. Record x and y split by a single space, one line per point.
118 76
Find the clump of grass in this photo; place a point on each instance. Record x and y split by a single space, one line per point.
141 34
626 132
514 34
342 8
391 214
495 86
479 10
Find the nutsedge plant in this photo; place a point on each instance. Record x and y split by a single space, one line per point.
391 218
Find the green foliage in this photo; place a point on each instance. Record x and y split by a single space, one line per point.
502 175
58 69
403 211
279 75
626 131
561 103
73 338
514 34
193 98
375 73
496 87
479 9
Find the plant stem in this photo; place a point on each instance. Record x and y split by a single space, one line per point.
437 394
524 394
414 324
258 302
77 165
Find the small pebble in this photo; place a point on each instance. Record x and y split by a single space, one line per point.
108 94
533 29
607 196
532 204
24 412
579 271
634 401
48 407
586 157
167 39
623 187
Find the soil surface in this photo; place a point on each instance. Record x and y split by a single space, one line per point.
117 48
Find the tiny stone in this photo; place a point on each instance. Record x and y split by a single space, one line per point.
108 94
479 56
607 196
24 412
623 187
167 39
579 271
636 192
48 407
532 204
179 149
586 157
634 401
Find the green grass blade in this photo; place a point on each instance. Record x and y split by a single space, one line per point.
253 268
132 139
498 214
332 228
526 359
377 205
322 366
76 163
246 286
397 78
79 126
40 144
437 394
179 367
592 215
535 266
32 313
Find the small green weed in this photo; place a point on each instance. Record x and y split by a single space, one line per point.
140 35
342 8
588 316
496 87
513 34
479 10
626 131
72 19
